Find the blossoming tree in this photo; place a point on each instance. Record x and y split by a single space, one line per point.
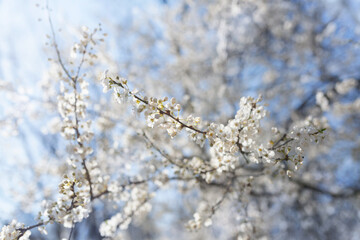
226 119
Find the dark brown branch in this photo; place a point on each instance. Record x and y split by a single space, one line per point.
276 146
347 193
23 230
278 141
101 194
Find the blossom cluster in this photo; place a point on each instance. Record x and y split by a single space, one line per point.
13 231
239 138
302 135
72 206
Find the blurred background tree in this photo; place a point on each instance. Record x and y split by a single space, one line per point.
301 56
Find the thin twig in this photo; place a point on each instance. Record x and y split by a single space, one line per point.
71 231
167 157
165 112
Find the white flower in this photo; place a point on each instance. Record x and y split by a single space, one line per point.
322 101
345 86
208 222
105 81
